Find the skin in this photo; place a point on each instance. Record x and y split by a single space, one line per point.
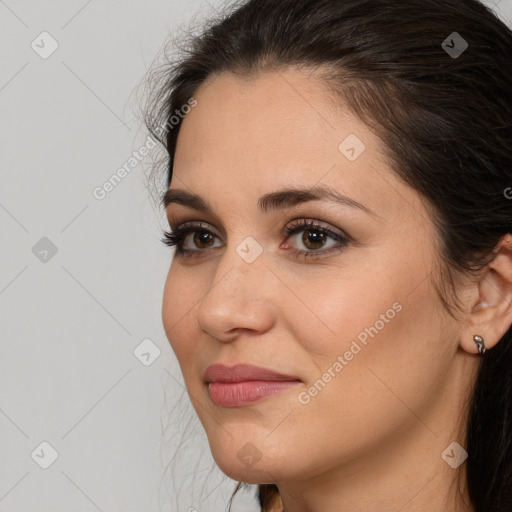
372 438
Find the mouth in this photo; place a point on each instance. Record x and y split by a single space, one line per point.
241 385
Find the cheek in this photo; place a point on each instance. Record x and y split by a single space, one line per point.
329 310
384 342
178 314
385 325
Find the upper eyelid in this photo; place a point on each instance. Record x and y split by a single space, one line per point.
192 226
304 222
296 224
197 224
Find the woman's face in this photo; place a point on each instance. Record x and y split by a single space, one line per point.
356 324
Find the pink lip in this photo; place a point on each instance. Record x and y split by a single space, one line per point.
242 384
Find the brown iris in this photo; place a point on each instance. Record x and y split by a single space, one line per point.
201 237
313 239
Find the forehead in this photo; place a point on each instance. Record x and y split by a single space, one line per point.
273 111
278 129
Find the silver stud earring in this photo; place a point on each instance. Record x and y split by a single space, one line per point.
479 340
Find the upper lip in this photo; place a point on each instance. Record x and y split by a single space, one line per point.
242 372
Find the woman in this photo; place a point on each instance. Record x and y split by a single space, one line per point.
340 299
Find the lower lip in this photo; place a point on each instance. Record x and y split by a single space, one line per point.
238 394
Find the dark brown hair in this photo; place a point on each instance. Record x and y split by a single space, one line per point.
445 120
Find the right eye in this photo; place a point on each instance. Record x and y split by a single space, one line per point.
201 239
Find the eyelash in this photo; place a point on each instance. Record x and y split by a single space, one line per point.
177 237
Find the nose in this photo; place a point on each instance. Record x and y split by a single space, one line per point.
239 299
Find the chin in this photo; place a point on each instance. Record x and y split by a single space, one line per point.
259 474
249 462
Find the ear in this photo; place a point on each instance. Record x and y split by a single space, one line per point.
490 307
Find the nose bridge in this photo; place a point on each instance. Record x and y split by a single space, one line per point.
242 267
239 296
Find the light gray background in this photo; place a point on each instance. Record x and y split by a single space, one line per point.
70 325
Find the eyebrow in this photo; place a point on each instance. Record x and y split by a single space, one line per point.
272 201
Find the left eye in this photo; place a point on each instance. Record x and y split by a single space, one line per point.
314 237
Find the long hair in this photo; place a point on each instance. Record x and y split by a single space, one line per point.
433 79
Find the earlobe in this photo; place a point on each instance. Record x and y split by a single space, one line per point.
490 315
